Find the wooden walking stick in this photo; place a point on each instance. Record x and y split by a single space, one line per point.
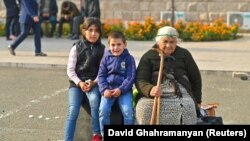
157 99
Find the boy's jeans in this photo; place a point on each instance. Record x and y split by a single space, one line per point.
125 101
75 101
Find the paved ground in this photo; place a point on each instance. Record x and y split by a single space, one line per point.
33 104
42 91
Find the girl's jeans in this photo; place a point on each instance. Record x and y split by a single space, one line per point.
125 101
75 101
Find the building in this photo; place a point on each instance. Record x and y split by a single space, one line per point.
192 10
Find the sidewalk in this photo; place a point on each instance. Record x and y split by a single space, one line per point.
215 56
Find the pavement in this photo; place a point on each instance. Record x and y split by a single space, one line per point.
230 56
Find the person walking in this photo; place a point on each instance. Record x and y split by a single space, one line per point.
82 69
28 19
12 27
89 8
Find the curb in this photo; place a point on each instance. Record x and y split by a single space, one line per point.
235 74
33 66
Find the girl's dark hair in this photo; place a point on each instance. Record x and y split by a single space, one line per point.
116 35
92 21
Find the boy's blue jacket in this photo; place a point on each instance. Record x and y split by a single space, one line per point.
117 72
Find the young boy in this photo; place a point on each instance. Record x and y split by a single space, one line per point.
115 79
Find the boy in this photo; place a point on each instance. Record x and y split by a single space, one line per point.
115 79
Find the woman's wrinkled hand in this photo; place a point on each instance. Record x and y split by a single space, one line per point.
156 91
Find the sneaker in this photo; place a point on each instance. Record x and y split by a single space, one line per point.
97 137
12 51
40 54
70 36
49 35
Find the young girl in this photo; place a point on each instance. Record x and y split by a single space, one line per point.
82 69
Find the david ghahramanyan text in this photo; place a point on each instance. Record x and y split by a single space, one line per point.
154 132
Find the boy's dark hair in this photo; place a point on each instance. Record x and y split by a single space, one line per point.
116 35
92 21
66 5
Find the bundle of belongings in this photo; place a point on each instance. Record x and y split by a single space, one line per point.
206 115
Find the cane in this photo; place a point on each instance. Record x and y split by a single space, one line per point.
157 99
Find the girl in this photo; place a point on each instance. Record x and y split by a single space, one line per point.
82 69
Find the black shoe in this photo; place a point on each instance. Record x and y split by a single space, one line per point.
40 54
75 37
50 35
58 36
12 51
70 36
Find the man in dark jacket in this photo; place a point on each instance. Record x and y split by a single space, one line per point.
89 8
28 19
12 27
48 11
68 11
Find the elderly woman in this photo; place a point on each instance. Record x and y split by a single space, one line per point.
180 87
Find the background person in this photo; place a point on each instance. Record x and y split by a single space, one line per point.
89 8
48 11
12 27
180 88
68 11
